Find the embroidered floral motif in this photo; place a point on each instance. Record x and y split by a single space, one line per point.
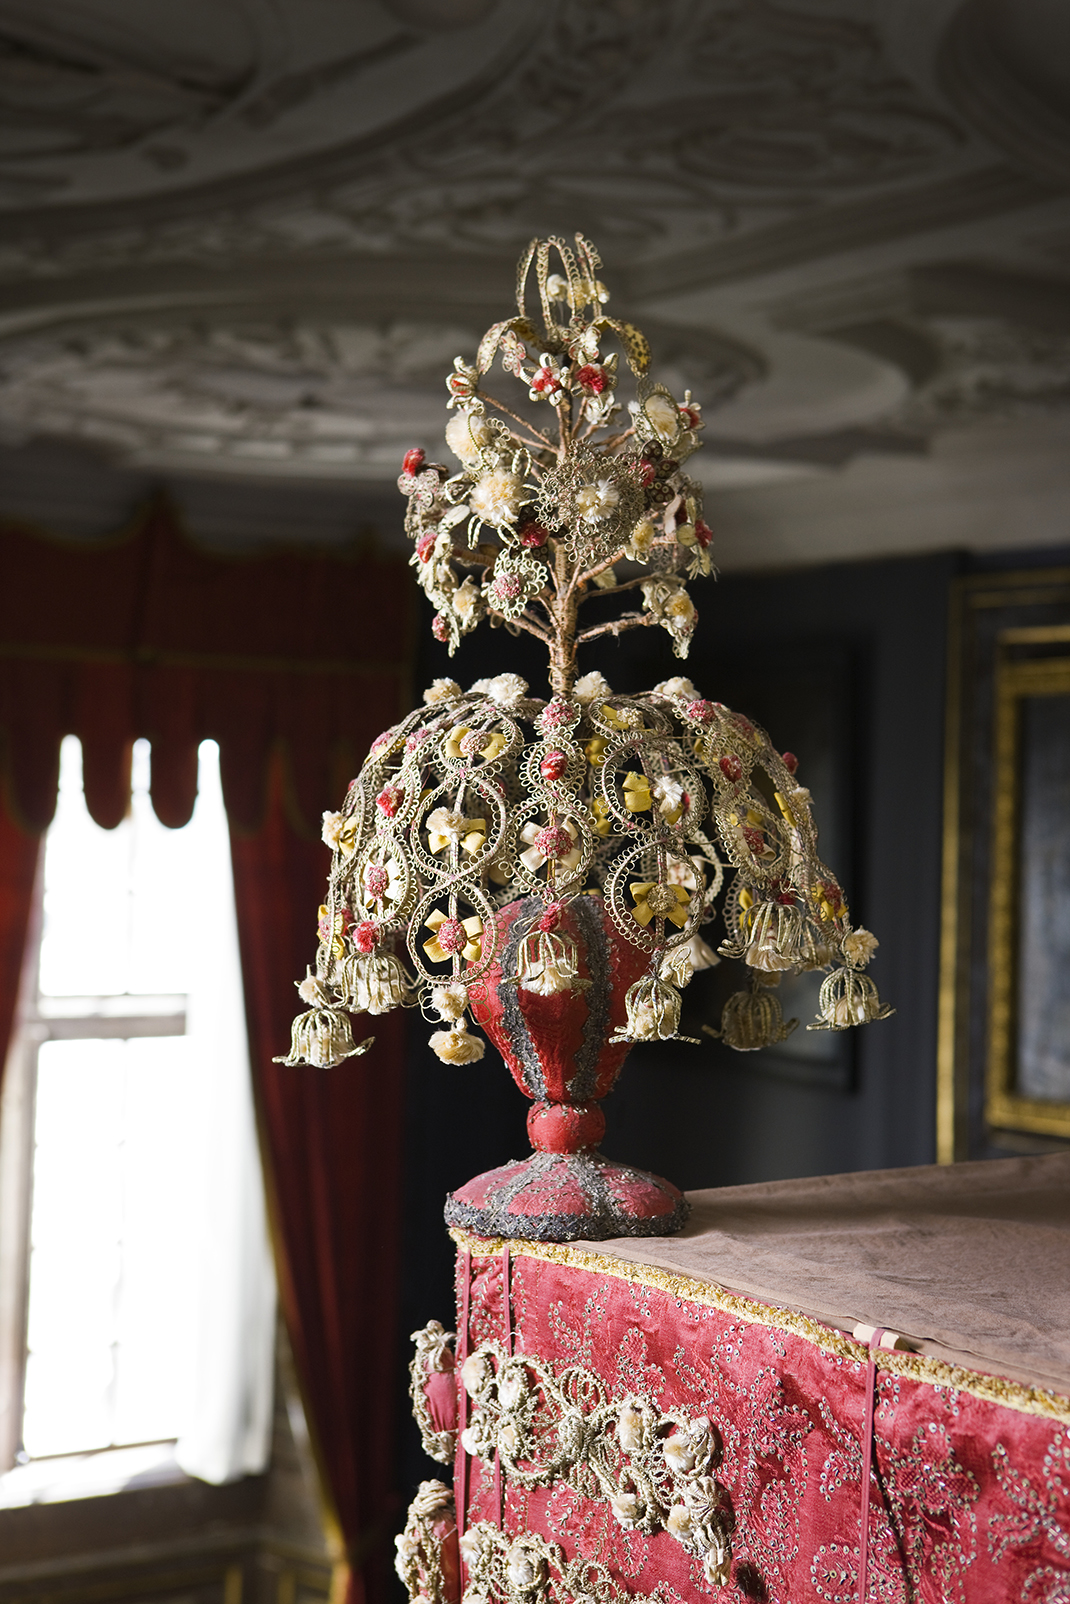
655 1469
426 1550
529 1570
433 1356
1035 1518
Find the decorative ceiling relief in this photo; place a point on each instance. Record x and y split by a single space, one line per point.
242 233
337 399
106 100
662 124
975 342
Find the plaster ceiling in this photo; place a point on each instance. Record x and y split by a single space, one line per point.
247 237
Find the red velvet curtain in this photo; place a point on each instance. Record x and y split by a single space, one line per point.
293 664
333 1141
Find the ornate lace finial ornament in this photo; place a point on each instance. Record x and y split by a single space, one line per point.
547 865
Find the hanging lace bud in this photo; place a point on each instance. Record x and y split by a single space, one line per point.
386 984
321 1037
848 998
774 931
815 950
678 964
456 1046
653 1006
373 983
547 963
751 1020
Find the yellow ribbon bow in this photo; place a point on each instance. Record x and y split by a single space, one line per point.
473 929
652 898
637 797
496 742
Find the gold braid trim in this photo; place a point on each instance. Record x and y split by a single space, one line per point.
918 1367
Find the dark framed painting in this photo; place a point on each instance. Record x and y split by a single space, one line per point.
1004 1070
1028 1080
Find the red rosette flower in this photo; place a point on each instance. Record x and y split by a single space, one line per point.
592 378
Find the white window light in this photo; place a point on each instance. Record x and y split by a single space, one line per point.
146 1342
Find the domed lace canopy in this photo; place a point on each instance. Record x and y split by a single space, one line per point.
484 797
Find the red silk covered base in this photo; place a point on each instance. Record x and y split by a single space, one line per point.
583 1376
562 1197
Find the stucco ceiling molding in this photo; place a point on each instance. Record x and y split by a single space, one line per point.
976 341
276 392
1003 65
660 129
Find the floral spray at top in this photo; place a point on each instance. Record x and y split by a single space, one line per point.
546 868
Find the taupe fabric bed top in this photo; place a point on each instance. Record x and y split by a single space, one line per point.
969 1261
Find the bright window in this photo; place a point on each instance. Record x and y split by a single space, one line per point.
148 1306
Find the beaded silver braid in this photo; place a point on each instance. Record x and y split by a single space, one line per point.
484 797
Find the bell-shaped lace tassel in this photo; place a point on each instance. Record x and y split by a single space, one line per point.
321 1037
848 998
373 984
773 937
653 1007
456 1046
815 951
547 963
751 1020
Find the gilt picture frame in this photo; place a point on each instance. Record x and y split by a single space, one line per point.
1004 1022
1029 908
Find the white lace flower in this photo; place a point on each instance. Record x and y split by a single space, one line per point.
467 433
627 1509
332 829
445 821
680 609
470 1546
688 1447
497 497
679 1452
505 689
465 599
590 688
511 1389
642 538
476 1372
669 795
678 1521
441 690
630 1428
450 1002
859 947
524 1569
596 501
679 688
432 1497
664 416
557 287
